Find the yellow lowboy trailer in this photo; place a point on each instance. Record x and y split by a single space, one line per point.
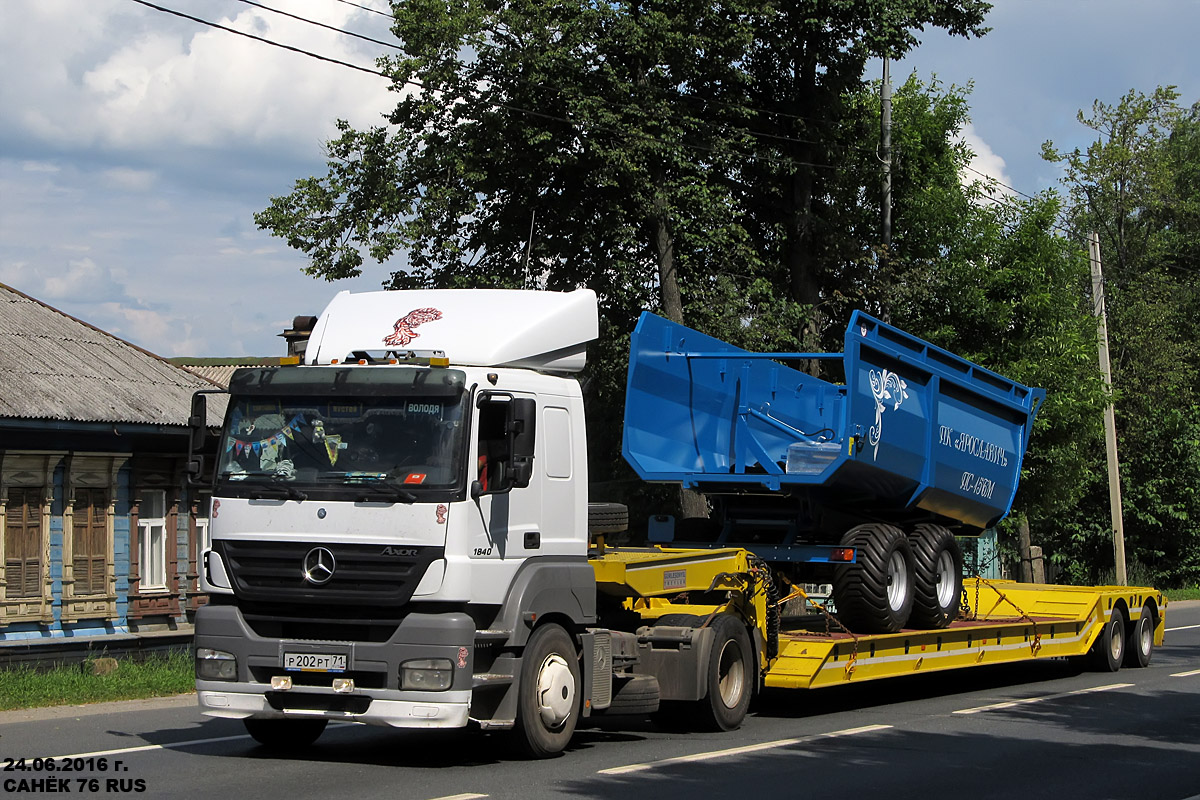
1001 621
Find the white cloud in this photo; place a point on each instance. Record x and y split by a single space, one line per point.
173 83
986 165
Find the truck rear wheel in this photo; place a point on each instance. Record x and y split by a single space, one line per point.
875 594
731 675
937 576
285 734
1140 641
548 696
1108 651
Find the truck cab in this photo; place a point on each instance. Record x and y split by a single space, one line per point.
389 514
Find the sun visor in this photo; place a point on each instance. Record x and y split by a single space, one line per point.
473 327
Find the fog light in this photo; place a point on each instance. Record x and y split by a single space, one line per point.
427 674
281 683
215 665
343 685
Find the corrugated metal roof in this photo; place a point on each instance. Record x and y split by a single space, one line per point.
221 374
56 367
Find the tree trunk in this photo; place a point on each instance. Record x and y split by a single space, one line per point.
691 503
1026 572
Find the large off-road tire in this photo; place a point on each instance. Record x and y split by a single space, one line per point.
1108 651
937 576
875 594
1139 639
731 676
285 734
607 518
548 696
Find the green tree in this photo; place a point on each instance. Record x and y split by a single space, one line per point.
1135 187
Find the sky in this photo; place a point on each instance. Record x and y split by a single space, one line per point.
136 146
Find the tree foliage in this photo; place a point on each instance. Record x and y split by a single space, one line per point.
1135 186
717 162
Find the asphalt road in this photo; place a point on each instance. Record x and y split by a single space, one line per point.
1039 730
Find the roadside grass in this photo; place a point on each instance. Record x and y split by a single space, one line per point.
1183 594
74 684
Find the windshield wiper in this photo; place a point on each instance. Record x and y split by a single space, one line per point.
277 489
396 494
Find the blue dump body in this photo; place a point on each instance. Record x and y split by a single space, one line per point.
916 433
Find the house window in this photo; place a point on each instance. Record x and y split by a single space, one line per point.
152 538
89 541
23 542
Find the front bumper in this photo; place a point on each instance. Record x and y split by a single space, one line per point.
376 698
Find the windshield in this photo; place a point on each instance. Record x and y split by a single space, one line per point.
395 443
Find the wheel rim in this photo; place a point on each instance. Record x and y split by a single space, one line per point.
1114 640
731 674
897 580
1145 642
945 579
555 691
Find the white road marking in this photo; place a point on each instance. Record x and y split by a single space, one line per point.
1028 700
737 751
170 745
1186 675
464 796
1182 628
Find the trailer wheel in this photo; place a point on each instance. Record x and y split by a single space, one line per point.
1140 644
1108 651
937 576
730 675
548 697
285 734
875 594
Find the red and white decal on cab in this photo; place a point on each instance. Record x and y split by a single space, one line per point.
405 332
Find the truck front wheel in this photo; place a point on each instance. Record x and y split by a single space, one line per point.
548 697
285 734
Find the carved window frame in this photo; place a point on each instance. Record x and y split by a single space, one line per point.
28 470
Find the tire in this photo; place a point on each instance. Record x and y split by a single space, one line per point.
634 695
548 696
1139 643
285 734
607 518
937 577
1108 651
731 676
875 594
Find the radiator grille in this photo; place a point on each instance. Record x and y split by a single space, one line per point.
361 574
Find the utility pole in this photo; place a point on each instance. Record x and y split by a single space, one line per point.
885 153
1110 419
885 211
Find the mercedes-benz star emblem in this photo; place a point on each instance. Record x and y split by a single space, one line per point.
319 565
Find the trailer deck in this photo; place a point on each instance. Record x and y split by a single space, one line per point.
1002 621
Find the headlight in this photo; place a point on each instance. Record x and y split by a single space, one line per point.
427 674
215 665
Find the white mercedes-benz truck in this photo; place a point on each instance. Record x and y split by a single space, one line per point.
382 548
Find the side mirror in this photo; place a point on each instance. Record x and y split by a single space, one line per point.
523 425
198 422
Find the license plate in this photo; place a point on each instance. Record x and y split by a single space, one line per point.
314 662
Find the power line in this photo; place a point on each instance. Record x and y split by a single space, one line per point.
261 39
322 25
367 8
